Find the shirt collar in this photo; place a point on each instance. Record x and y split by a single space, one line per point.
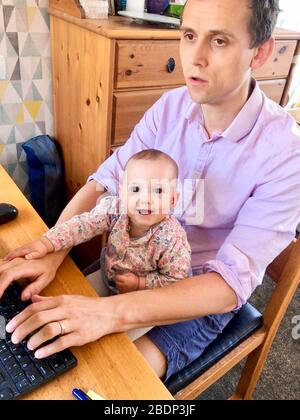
243 122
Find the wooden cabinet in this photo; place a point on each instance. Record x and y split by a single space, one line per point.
107 73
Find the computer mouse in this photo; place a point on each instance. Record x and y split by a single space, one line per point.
8 212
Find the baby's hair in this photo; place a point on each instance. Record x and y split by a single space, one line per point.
154 154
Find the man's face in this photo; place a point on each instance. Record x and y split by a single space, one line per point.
215 49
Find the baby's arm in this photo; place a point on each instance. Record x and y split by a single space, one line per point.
174 264
70 233
83 227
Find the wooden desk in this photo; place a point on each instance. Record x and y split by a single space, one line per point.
111 366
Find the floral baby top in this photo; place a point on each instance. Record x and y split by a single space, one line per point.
163 255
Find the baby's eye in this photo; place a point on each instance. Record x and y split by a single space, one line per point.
158 190
135 189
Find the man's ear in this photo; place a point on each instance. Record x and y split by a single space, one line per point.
263 53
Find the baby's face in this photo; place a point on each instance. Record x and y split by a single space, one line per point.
148 191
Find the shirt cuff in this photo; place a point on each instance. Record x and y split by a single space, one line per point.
57 244
108 183
233 279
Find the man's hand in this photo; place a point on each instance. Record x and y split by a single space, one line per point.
84 319
32 250
127 282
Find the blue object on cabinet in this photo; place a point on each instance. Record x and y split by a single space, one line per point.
46 180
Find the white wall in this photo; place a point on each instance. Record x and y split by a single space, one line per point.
290 16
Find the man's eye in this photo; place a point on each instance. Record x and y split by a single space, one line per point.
158 190
219 42
189 36
135 189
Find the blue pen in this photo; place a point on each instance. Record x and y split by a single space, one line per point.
80 395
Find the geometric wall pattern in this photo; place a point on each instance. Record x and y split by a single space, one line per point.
25 81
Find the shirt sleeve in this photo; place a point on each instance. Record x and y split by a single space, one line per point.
174 265
83 227
110 173
265 226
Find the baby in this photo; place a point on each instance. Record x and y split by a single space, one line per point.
147 247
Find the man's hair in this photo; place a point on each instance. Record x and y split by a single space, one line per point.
262 21
154 154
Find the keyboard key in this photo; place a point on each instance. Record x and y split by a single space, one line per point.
25 363
34 376
21 355
16 348
17 374
23 385
45 369
57 364
67 358
3 347
5 357
6 394
2 379
12 366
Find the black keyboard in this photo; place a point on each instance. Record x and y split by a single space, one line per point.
20 372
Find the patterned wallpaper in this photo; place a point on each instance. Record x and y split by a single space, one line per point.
25 81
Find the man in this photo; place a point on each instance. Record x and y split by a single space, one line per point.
222 129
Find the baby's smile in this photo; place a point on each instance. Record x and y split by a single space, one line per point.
144 212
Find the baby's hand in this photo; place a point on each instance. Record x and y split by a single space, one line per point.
127 282
31 251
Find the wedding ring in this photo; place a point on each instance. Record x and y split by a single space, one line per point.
62 328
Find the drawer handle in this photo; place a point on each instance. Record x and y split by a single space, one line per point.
283 50
171 65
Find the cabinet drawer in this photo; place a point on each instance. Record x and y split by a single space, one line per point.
128 109
273 88
145 63
280 62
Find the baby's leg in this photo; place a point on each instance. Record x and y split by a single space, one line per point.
138 332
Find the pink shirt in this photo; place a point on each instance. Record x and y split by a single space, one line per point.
251 176
163 255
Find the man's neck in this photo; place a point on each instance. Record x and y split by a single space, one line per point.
219 116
